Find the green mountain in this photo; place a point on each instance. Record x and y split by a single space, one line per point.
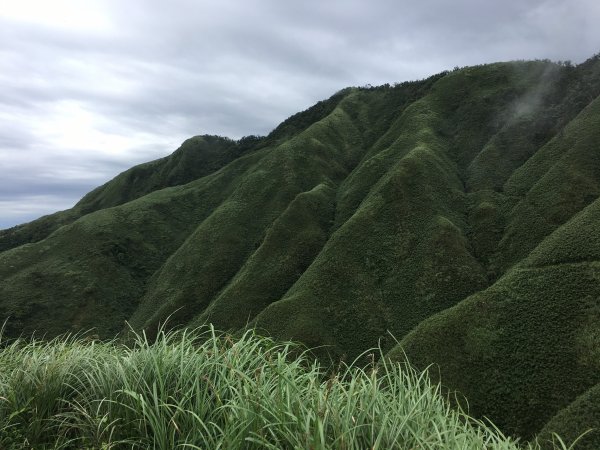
453 220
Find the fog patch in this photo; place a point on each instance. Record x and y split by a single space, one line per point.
530 103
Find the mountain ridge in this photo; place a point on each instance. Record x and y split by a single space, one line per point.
442 212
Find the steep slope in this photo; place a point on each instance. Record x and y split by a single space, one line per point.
527 346
457 214
197 157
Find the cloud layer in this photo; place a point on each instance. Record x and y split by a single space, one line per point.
88 89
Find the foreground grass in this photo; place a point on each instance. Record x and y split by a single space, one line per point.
203 390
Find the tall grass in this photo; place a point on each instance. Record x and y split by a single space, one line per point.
204 390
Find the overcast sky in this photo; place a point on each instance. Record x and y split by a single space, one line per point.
89 88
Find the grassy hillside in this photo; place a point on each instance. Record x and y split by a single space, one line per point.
456 215
581 416
197 157
534 334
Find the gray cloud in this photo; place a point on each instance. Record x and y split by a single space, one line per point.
87 91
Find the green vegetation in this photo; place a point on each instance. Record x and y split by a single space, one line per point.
582 414
205 390
197 157
457 213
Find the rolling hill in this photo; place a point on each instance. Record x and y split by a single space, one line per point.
453 220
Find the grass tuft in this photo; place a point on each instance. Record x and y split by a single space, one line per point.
205 390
